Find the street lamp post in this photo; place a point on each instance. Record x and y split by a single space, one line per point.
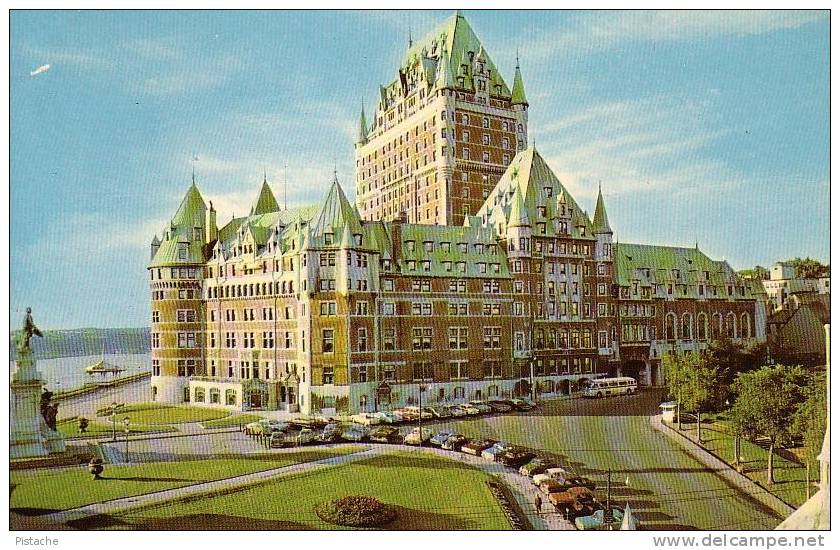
421 388
127 424
113 421
608 512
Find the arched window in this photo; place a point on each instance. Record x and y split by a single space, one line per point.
363 402
670 327
717 325
215 396
731 325
702 326
199 395
745 326
686 326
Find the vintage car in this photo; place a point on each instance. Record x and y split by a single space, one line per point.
306 435
418 436
596 520
330 433
355 432
385 434
439 438
515 458
477 446
549 486
522 404
483 408
388 417
454 442
366 419
536 466
441 411
456 411
500 405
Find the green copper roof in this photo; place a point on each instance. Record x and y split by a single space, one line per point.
444 260
192 209
653 264
451 42
336 212
518 94
518 212
540 190
266 202
363 128
600 222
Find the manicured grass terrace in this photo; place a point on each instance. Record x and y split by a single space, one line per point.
47 490
429 493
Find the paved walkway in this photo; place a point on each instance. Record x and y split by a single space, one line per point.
723 469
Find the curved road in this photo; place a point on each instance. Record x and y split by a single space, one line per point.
666 487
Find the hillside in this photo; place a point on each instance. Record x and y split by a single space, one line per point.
86 341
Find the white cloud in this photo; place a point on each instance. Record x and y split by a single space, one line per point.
651 144
607 30
64 56
39 70
176 75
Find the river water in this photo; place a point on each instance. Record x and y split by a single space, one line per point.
68 373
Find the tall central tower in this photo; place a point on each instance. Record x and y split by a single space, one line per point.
443 132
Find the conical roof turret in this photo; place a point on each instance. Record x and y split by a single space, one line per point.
600 223
518 93
266 203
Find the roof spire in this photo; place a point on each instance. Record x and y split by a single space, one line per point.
600 221
363 128
285 185
517 96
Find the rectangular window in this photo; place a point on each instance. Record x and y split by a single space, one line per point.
492 338
421 339
389 339
328 340
362 339
457 338
329 375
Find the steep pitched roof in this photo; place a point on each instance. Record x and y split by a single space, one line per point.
192 209
518 212
518 93
363 128
600 222
266 202
180 244
335 212
539 187
450 43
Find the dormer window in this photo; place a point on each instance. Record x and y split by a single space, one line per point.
409 246
328 238
183 250
358 239
541 211
198 234
445 247
428 246
548 191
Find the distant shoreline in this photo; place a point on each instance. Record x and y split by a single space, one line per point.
56 344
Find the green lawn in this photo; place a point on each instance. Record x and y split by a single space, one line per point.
429 492
154 413
788 471
104 428
47 490
233 420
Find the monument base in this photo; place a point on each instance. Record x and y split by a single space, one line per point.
54 442
29 434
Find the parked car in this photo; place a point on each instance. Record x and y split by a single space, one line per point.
282 439
456 411
331 432
496 449
253 428
355 432
536 466
482 407
515 458
306 435
522 404
576 500
409 414
476 446
549 486
596 520
581 509
366 419
309 421
454 443
469 409
418 436
558 473
441 411
580 481
387 417
441 437
499 406
385 434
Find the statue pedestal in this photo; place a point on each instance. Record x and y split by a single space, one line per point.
25 434
29 434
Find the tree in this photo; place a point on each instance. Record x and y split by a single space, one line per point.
809 423
765 405
808 268
692 380
729 358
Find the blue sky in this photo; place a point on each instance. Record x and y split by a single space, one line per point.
700 125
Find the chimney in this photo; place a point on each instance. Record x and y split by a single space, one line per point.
211 231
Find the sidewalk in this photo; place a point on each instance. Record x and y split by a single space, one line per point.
723 469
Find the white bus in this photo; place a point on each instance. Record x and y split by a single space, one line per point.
606 387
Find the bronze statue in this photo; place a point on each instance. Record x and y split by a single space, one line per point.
29 330
49 410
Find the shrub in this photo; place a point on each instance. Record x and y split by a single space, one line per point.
355 511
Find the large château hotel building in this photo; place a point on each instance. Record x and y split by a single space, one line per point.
465 268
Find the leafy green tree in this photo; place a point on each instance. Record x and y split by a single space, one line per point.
808 268
729 358
692 381
766 402
810 420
